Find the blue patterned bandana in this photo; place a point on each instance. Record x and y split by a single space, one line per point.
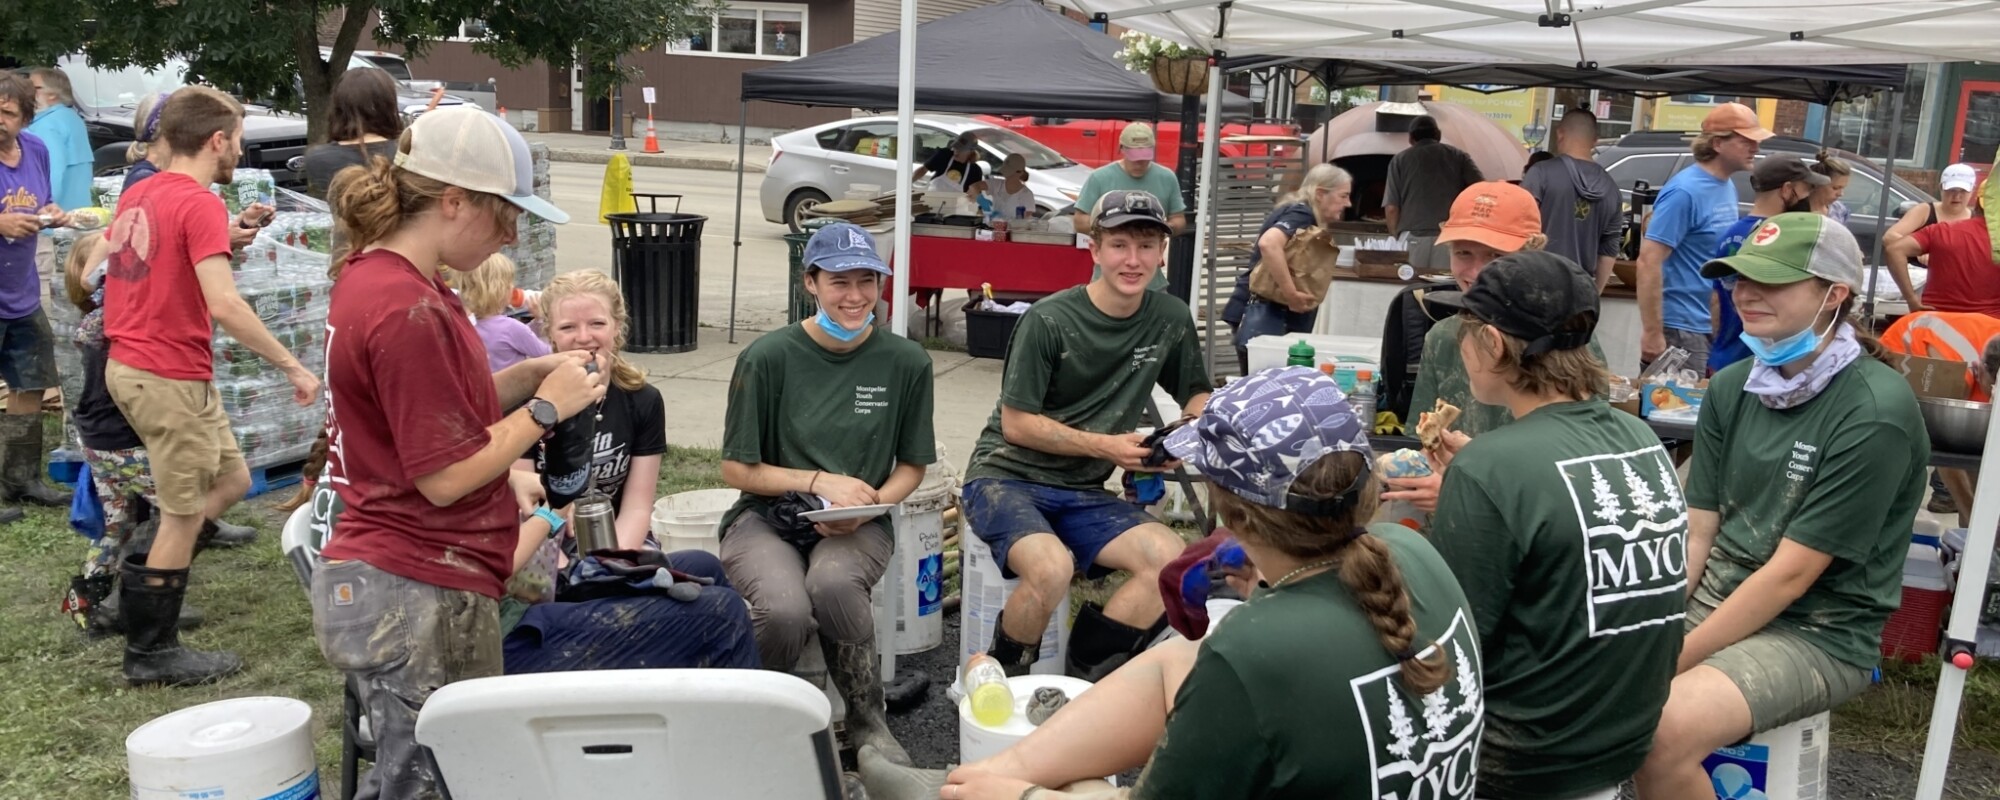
1259 434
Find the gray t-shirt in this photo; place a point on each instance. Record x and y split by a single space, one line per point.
1581 212
1423 181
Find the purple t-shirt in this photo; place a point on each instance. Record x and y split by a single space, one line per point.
508 342
23 189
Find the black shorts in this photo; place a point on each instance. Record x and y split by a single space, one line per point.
28 353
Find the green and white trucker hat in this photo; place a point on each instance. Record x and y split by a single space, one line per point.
1789 248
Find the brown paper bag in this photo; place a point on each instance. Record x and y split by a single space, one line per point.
1310 255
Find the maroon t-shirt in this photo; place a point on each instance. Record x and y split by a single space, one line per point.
154 312
408 395
1963 276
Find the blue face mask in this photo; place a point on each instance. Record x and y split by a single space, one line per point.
841 334
1779 352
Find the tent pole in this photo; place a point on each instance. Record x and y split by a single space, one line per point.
1963 625
1204 232
1882 209
906 137
736 253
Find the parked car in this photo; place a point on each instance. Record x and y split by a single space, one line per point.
1094 142
1655 156
106 97
812 165
409 99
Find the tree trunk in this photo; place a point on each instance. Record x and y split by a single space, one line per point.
318 74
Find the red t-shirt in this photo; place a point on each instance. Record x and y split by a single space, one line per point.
1963 276
408 395
154 312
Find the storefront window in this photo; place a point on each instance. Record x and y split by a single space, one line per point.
751 30
1862 125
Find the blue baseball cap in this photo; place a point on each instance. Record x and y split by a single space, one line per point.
843 246
1259 434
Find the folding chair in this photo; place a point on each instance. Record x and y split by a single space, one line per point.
666 733
301 547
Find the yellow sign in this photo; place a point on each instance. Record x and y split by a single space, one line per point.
1670 115
1510 109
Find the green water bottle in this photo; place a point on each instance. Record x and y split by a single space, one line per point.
1300 355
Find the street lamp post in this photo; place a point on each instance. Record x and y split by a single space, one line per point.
617 108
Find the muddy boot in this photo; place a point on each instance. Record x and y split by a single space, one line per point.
1015 657
153 651
856 670
22 468
105 619
1099 644
888 780
217 533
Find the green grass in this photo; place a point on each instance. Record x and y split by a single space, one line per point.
941 344
1894 716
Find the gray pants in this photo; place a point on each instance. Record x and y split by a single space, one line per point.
1696 344
398 640
789 593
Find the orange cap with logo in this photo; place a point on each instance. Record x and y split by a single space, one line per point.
1735 118
1497 214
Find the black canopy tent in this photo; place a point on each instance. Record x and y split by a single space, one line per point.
1813 84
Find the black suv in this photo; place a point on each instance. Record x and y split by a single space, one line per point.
1655 156
106 98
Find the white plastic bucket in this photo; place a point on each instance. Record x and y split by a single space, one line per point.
689 520
1786 763
919 576
976 741
248 747
985 594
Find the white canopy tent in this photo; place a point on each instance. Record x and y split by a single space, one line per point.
1605 36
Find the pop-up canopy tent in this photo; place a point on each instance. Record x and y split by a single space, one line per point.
1629 39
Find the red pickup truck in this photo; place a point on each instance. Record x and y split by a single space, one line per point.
1094 142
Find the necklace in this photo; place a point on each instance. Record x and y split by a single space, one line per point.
1307 568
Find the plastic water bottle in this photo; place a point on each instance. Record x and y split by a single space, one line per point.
985 683
1301 354
1363 398
1020 212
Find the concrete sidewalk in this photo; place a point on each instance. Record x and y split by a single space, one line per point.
695 388
591 149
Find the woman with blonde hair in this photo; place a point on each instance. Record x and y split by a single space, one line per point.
147 151
486 291
1323 196
585 311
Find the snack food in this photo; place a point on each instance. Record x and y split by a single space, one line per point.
1664 399
1404 463
1432 424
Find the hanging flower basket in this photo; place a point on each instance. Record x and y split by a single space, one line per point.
1182 76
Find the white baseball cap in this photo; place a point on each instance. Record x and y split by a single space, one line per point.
1959 176
466 147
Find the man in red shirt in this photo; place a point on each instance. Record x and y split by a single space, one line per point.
169 280
1963 274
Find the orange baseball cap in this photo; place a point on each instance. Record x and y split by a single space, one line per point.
1497 214
1735 118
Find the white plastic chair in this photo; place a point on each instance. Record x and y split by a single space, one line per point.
299 544
661 733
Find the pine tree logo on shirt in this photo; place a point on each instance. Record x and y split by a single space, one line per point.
131 245
1425 747
1635 538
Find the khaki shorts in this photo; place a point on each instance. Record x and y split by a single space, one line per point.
187 436
1783 677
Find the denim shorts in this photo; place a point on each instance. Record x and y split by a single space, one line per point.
1262 317
28 353
1003 511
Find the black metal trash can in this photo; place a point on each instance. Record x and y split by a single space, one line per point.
657 261
800 303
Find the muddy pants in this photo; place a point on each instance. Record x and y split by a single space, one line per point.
397 641
790 593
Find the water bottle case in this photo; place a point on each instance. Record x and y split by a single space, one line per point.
1157 442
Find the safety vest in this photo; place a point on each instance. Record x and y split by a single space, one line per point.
1947 335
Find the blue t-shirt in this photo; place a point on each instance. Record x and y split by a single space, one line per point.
1729 347
62 131
1694 210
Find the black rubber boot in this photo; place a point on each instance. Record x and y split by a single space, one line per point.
22 467
151 602
105 619
1015 657
856 670
217 533
1099 644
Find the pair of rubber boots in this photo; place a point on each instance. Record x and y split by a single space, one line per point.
856 671
94 599
21 468
150 602
1098 645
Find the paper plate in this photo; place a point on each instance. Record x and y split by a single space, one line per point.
846 513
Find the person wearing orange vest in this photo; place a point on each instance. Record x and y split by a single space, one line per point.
1966 336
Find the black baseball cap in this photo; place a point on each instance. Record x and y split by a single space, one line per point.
1122 207
1532 296
1773 172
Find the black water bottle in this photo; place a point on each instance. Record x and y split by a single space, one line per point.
566 456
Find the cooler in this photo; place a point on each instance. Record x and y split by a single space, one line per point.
1267 352
1913 630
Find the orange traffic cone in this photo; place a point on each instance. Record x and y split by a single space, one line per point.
652 144
503 116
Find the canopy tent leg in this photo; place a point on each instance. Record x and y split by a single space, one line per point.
736 254
1963 626
1204 216
906 113
1882 200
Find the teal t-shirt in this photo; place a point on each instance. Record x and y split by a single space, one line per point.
1568 533
1842 474
1293 696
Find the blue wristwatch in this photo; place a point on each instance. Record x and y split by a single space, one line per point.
554 520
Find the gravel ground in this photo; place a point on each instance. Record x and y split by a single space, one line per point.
930 733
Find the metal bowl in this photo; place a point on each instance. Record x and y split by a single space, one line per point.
1956 426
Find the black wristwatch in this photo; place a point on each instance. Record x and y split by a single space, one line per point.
543 413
